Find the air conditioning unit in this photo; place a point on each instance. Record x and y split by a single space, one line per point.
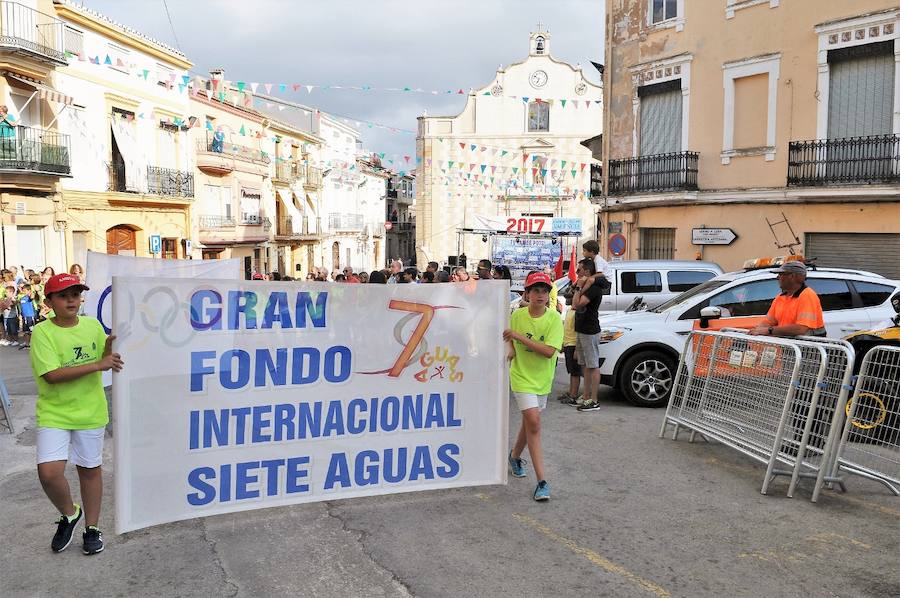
251 218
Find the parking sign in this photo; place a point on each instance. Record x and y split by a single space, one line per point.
155 243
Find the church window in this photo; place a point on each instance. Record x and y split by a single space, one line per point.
538 116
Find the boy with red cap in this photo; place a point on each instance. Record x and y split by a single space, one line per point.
535 335
68 352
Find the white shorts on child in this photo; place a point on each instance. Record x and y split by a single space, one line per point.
81 447
527 400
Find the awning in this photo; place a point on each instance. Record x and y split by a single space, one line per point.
132 154
45 92
287 198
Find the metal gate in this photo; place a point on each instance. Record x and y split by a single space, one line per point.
876 252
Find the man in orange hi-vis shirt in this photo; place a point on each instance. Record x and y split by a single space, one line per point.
797 310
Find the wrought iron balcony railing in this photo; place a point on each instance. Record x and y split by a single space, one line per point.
27 149
312 175
341 221
660 172
866 160
24 30
219 145
166 181
208 221
287 171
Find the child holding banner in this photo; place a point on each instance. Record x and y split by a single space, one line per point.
68 352
535 336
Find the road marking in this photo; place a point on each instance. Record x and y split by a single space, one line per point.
593 557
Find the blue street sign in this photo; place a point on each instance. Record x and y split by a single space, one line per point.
155 243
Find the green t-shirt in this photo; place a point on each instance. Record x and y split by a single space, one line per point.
530 372
79 404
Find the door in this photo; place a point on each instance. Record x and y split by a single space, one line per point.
120 241
30 243
336 257
841 313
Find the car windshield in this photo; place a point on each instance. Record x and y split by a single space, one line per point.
709 285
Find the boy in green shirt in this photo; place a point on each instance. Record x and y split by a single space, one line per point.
534 335
68 352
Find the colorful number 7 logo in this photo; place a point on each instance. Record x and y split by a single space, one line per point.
416 337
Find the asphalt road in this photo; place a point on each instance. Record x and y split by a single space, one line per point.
631 515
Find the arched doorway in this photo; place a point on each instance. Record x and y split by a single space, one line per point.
120 240
336 257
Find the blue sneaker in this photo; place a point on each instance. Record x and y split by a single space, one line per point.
542 492
516 466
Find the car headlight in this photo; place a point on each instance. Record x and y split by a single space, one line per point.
611 333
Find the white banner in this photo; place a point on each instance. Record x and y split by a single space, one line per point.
101 267
245 395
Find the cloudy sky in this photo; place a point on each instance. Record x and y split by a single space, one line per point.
428 44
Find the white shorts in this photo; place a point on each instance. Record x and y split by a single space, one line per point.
527 400
81 447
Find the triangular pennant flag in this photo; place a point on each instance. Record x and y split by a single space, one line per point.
450 164
268 88
483 168
282 87
406 159
381 155
108 60
562 165
185 79
563 102
582 166
462 146
181 87
543 172
503 153
253 87
525 99
119 62
574 173
242 131
472 147
309 88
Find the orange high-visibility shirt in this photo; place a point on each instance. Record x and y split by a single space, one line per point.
801 307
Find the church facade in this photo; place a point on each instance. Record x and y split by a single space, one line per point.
508 177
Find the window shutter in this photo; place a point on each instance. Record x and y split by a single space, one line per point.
661 123
861 92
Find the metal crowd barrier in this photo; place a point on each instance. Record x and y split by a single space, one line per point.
870 440
6 408
774 400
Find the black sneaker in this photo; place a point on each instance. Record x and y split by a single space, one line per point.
63 536
589 406
93 540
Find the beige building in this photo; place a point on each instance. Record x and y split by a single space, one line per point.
495 180
34 155
776 120
131 162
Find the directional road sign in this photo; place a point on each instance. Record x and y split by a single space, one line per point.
712 236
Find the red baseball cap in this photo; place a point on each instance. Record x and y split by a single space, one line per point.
61 282
538 278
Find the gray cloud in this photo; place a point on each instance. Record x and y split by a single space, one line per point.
432 44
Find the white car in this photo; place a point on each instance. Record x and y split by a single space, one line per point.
639 351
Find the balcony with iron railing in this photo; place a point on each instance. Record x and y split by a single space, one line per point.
345 222
33 150
312 176
290 228
215 221
650 174
287 171
219 145
855 160
166 182
28 32
402 227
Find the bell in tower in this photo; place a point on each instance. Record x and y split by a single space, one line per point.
540 41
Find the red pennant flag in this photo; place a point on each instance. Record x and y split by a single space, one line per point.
295 86
572 276
462 145
558 270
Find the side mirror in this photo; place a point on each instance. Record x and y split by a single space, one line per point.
708 313
895 303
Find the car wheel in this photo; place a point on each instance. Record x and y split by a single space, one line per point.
647 379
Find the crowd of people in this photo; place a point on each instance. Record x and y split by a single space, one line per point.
398 274
22 302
